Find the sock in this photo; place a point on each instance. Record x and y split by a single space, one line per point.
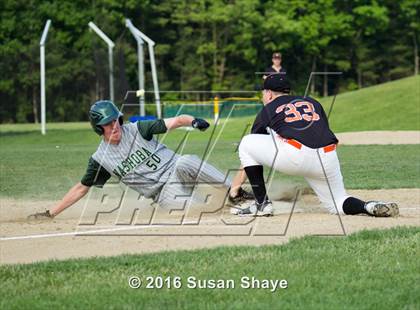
354 206
255 176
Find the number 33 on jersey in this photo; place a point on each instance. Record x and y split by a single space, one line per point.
293 115
296 117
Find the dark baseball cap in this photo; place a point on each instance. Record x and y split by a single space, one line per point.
277 55
277 82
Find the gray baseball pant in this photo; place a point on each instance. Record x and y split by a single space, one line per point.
189 171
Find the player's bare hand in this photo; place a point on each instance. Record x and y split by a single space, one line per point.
201 124
41 216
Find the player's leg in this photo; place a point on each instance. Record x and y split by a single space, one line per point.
255 151
175 193
325 178
191 169
335 199
327 182
331 194
179 189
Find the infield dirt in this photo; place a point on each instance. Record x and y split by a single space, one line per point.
57 239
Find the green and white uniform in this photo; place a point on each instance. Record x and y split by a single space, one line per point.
149 167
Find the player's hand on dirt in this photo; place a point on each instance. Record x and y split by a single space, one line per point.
41 215
199 123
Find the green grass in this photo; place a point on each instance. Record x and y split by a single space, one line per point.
390 106
368 270
44 167
380 166
37 127
39 166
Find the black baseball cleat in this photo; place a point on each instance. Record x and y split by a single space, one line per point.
255 209
241 197
382 209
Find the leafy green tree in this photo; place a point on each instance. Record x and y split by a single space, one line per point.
316 28
410 17
200 45
368 18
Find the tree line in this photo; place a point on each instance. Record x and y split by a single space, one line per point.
200 45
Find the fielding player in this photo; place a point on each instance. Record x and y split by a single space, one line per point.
129 152
292 135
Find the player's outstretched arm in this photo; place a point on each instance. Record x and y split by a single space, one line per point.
186 120
77 192
178 121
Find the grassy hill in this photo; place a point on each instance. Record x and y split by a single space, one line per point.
390 106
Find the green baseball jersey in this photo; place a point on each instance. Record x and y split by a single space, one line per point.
138 161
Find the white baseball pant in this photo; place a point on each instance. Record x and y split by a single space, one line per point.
272 150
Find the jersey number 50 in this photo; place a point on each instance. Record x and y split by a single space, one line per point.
293 115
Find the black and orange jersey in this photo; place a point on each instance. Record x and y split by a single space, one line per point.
295 117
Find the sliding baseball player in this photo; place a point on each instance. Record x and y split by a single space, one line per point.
130 153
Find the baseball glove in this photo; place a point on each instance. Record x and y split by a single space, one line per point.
241 197
199 123
41 215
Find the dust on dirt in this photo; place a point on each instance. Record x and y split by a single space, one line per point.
140 228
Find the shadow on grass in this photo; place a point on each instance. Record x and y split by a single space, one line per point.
16 133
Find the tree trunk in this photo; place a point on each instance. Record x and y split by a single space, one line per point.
96 88
205 83
214 36
181 82
325 88
416 55
34 105
359 78
355 44
313 69
222 67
